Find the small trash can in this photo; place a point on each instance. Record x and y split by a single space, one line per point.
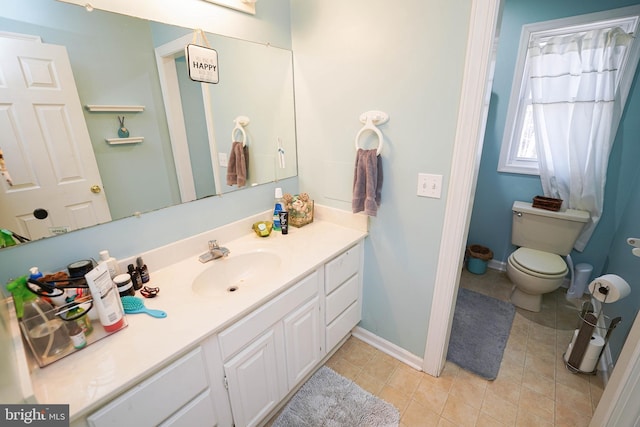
477 258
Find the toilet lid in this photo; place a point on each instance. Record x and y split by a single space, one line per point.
539 262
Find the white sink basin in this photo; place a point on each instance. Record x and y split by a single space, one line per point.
235 273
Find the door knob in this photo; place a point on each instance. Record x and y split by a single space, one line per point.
96 189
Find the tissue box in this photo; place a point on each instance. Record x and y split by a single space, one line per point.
300 208
547 203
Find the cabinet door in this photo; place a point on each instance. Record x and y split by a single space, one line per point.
302 341
255 379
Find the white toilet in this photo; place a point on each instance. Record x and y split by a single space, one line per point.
543 237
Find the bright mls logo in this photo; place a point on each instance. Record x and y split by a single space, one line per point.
34 415
203 63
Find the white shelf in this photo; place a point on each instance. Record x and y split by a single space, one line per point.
114 108
130 140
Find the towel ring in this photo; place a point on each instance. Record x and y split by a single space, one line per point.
241 122
370 120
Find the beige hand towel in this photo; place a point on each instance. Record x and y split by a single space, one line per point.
367 182
238 165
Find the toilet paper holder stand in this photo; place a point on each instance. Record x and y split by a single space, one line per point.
588 325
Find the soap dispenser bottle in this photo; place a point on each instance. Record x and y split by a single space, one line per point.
279 207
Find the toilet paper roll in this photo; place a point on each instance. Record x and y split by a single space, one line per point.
591 355
618 288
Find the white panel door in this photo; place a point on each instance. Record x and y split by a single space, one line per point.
256 379
45 143
302 341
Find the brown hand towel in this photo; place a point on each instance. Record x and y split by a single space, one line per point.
367 182
238 165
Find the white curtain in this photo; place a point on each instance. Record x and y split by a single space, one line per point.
576 112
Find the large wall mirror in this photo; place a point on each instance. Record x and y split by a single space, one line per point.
70 79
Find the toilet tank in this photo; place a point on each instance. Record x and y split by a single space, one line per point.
545 230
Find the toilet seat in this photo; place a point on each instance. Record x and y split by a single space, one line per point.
538 263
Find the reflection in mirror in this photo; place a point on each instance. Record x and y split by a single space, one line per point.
256 83
111 61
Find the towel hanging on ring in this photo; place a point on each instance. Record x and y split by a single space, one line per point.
367 182
238 165
367 179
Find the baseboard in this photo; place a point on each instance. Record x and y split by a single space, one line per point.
497 265
389 348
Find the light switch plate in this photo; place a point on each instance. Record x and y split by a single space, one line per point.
429 185
223 159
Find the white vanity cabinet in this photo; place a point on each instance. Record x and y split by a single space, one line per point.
242 374
270 350
343 290
178 395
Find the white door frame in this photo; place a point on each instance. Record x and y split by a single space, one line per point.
165 59
467 149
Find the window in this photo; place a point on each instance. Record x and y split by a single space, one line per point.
518 153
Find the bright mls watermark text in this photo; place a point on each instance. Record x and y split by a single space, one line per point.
34 415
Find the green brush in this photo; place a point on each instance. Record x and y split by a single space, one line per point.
133 305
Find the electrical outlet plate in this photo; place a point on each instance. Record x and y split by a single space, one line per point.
429 185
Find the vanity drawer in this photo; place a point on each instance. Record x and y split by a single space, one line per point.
340 327
155 399
197 413
341 268
341 298
244 331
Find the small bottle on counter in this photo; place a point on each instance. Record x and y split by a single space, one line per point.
77 334
135 277
143 270
284 221
82 319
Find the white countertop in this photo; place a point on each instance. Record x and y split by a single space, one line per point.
89 378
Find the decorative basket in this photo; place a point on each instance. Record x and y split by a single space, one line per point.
547 203
300 208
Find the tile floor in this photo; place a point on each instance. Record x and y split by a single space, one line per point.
533 388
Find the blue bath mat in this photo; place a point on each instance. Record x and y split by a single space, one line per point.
479 334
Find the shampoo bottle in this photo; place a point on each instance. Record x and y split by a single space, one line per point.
279 207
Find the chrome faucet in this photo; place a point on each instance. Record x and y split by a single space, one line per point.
215 252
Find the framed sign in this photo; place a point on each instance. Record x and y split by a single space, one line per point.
202 63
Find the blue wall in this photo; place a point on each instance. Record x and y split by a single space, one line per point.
491 219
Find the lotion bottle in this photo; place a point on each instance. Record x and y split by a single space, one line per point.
112 264
106 298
